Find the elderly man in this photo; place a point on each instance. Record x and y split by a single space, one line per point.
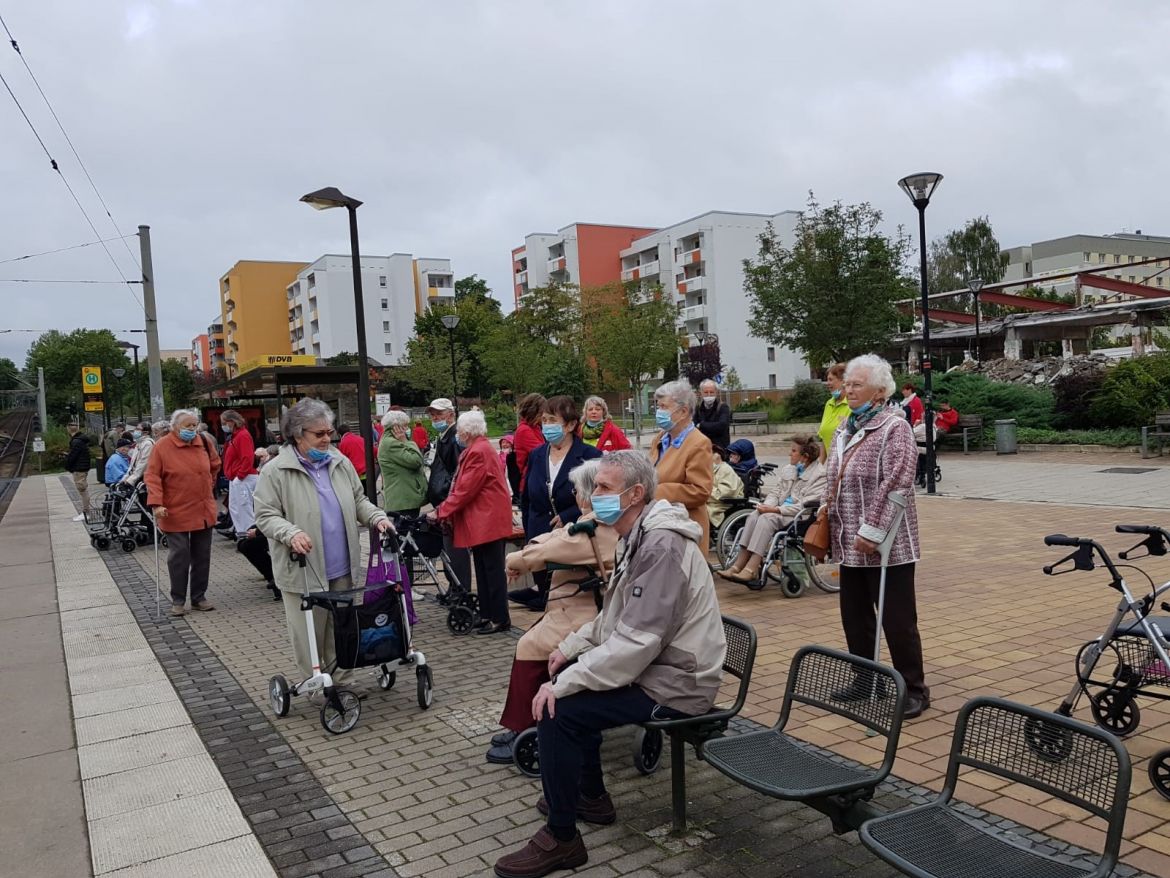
712 417
655 650
446 462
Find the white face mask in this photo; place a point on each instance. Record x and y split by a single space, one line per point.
708 400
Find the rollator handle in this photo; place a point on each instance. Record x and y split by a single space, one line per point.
299 558
390 542
1063 540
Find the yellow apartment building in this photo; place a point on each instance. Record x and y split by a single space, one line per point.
253 302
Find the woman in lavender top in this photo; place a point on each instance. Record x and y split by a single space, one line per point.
310 500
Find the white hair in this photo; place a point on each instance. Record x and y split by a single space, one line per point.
583 477
471 424
178 414
709 382
160 428
395 418
879 375
598 401
680 392
307 411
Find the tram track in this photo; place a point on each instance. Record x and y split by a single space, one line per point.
16 433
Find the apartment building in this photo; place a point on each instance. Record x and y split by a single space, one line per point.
179 355
585 254
318 309
201 353
252 303
1118 252
216 348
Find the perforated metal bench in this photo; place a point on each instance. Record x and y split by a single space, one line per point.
1157 433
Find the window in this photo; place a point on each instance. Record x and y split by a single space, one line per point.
772 382
771 354
385 304
1132 279
1158 280
1086 255
389 348
381 280
385 325
1117 259
312 278
1131 258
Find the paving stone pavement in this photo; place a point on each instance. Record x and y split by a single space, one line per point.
412 789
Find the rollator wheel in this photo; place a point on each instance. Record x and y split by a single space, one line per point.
163 541
470 601
791 586
386 679
340 713
1049 741
526 753
279 698
647 750
142 539
128 545
1159 771
1116 711
102 543
460 620
426 692
93 541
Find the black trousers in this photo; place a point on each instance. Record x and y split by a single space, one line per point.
460 563
189 561
491 581
859 598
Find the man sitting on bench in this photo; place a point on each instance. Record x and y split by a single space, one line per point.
655 651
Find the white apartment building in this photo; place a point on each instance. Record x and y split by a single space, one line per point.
395 289
701 261
1116 252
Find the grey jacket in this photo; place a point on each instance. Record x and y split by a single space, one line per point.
660 628
286 503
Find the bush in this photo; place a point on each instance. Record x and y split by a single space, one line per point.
1132 392
977 395
1072 396
500 417
1123 438
808 399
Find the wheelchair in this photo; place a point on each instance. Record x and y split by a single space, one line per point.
785 563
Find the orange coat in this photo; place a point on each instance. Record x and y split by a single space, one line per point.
685 476
180 477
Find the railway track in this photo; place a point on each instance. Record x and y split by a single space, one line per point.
16 432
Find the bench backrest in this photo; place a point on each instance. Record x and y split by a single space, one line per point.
1058 755
741 655
970 420
749 416
1162 419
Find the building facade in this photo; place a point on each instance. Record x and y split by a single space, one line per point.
585 254
1116 252
201 353
179 355
318 309
252 306
216 348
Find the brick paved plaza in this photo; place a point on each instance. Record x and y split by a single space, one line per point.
181 735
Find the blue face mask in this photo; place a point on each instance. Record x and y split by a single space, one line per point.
800 469
593 424
460 444
227 428
137 434
662 419
438 426
317 455
553 433
862 409
836 394
607 507
187 435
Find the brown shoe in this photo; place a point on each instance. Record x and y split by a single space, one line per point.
543 854
178 610
203 606
599 812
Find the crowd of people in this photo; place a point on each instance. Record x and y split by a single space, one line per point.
616 541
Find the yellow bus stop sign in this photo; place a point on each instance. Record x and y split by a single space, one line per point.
91 379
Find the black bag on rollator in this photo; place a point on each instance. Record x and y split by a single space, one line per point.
370 633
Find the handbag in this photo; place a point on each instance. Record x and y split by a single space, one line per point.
816 539
385 577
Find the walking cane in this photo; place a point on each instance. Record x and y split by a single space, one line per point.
884 548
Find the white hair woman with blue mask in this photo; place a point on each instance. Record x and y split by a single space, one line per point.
682 454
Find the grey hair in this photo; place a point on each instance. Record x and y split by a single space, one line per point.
583 477
232 417
710 381
298 417
177 414
636 470
160 428
881 376
679 392
395 418
596 400
471 424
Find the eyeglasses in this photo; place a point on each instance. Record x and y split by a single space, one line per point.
854 385
319 434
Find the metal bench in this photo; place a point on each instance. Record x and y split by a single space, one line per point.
777 765
969 429
757 419
1058 756
1156 433
695 730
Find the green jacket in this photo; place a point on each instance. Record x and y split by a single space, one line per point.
286 503
836 410
404 481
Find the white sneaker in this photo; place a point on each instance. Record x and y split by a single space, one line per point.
79 517
417 595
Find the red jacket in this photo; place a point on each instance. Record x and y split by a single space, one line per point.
480 503
914 410
351 446
239 456
944 422
612 438
420 437
525 441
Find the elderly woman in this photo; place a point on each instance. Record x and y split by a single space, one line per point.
599 430
479 510
873 454
311 501
143 448
239 468
726 486
569 607
836 407
802 480
404 478
681 454
741 454
179 479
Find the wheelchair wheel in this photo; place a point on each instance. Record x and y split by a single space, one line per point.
526 753
1116 711
1159 771
727 539
825 575
791 585
128 545
647 750
425 686
102 543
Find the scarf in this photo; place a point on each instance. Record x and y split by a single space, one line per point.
592 434
856 422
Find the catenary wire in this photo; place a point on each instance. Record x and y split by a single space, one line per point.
61 249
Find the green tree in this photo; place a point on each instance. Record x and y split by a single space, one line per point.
426 364
178 385
474 287
538 347
631 335
833 294
10 377
345 358
62 355
963 255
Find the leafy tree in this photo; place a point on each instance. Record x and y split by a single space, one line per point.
963 255
538 347
178 385
345 358
832 295
62 355
701 361
427 362
632 336
732 381
9 375
473 286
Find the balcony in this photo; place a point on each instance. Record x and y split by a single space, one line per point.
690 257
695 284
693 312
556 264
522 277
313 315
440 291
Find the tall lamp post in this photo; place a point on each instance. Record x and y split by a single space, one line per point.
137 384
975 286
920 187
118 373
451 321
323 199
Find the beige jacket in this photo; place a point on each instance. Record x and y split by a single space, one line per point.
809 485
661 628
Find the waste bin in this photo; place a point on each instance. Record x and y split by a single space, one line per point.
1005 437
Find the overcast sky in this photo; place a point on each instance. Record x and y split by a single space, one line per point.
465 125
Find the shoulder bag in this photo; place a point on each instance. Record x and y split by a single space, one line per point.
816 539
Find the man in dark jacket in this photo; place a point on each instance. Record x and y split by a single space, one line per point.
712 417
78 462
442 414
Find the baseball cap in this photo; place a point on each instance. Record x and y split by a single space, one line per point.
122 443
442 404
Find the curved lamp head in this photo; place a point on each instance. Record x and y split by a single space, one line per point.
330 196
975 285
920 186
450 320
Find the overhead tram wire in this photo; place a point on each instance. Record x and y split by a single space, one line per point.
69 140
29 280
76 200
60 250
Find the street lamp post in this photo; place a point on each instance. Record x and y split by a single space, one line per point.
975 286
323 199
920 187
118 373
451 321
137 385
